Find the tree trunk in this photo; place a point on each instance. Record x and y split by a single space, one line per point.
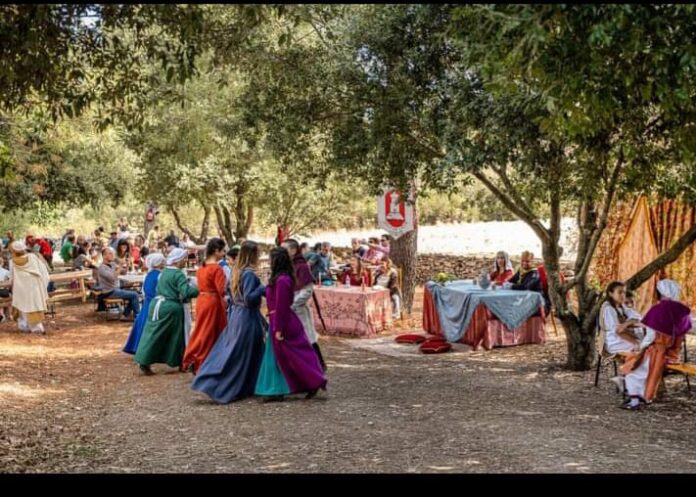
224 225
199 240
404 251
580 341
243 224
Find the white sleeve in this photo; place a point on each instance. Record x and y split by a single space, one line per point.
649 338
611 319
303 296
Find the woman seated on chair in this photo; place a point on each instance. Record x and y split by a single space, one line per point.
622 333
503 269
666 324
387 277
356 274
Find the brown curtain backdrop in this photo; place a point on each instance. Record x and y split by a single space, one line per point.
636 233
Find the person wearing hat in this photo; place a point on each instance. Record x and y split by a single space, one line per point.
154 263
666 325
163 339
29 276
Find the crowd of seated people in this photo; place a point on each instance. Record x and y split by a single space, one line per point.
368 265
356 274
80 252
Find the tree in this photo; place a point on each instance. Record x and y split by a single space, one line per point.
547 106
49 165
611 88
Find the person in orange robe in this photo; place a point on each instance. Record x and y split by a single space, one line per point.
211 313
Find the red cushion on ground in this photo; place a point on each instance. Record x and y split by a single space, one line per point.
435 347
436 339
410 338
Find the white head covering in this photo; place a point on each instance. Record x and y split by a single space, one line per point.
669 289
154 259
508 264
176 255
18 246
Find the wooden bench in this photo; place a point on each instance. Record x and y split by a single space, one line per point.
686 369
114 303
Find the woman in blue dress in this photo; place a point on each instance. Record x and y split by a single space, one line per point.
231 369
154 263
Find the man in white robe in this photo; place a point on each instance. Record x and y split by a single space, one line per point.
29 275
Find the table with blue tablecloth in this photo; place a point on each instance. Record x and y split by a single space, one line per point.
463 312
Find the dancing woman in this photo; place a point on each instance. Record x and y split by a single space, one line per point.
229 372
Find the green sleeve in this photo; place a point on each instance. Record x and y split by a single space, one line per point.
185 291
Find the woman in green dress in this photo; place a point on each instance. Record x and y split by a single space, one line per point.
163 336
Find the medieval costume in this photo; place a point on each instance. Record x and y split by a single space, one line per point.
29 288
293 354
666 324
211 316
355 279
150 292
502 274
303 293
163 337
530 280
389 279
230 371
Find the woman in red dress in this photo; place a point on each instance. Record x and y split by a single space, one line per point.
503 269
211 314
356 274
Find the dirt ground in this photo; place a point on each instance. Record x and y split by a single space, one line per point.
71 401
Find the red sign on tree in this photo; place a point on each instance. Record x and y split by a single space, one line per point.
395 215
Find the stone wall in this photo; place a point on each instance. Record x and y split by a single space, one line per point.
461 266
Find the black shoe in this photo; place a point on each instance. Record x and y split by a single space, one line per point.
146 370
312 393
274 398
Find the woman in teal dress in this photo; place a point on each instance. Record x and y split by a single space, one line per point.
231 370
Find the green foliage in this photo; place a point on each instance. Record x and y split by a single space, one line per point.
47 165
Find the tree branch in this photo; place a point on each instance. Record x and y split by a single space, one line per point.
512 191
512 205
604 216
180 225
667 257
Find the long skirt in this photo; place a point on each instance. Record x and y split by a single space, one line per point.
297 359
232 367
271 380
645 379
163 339
136 333
211 320
25 323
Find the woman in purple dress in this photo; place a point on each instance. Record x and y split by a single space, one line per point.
295 357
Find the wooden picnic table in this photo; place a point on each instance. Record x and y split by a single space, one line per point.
132 280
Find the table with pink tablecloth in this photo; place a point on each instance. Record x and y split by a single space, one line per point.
352 311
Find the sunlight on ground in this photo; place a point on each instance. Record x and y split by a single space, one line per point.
8 390
23 351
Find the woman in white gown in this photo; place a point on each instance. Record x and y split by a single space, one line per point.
623 333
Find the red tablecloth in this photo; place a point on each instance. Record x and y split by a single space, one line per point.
485 330
350 311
